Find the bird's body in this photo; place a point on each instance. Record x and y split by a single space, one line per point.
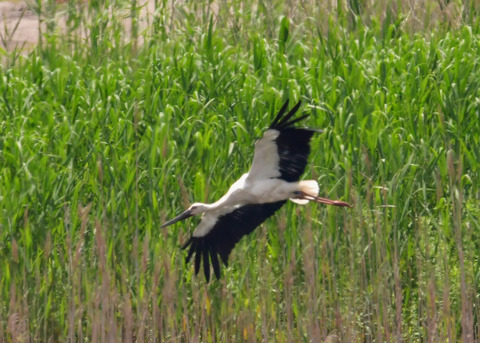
245 191
279 160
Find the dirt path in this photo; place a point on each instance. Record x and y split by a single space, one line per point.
18 25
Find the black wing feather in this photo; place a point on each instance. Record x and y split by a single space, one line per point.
293 144
206 259
198 254
214 258
293 147
227 231
279 115
280 123
191 250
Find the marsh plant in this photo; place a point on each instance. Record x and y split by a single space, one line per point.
118 120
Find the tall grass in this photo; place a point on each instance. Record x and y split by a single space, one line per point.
106 132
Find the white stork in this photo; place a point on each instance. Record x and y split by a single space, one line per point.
278 162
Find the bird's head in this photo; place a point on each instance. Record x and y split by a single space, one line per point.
196 208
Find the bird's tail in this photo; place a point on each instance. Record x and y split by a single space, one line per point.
309 187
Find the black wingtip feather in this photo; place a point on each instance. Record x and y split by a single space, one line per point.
280 114
206 261
206 253
214 258
187 243
190 251
198 257
280 122
224 256
285 121
291 122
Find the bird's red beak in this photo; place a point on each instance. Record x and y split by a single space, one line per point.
184 215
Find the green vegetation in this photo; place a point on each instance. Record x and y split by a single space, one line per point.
105 133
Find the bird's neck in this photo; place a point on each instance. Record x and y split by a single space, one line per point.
209 207
221 204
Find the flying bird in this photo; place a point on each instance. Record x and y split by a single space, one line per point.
279 160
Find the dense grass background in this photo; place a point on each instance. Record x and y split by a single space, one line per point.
117 122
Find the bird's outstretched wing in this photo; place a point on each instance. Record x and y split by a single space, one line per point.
283 150
225 233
